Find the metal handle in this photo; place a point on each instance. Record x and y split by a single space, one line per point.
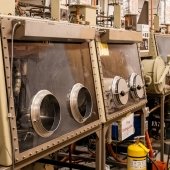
123 92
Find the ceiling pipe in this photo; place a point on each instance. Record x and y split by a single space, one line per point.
151 1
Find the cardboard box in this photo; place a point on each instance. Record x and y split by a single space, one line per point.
88 12
123 128
126 127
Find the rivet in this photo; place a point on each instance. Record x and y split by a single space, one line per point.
16 149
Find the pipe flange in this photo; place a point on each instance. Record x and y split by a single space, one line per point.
45 113
80 103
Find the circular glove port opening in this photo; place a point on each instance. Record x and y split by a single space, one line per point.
80 103
45 113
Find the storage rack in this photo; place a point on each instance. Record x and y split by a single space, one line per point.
162 119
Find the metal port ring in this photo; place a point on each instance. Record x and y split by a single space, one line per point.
137 86
119 87
80 103
45 113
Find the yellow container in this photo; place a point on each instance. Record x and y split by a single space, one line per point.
137 157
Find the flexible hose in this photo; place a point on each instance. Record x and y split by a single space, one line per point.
149 145
114 155
71 150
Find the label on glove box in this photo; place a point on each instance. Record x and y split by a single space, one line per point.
103 49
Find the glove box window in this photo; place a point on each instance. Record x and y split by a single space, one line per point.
50 73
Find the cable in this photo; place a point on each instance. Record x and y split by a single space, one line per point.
11 79
168 157
12 54
153 162
158 6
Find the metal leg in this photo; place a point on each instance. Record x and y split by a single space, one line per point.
104 131
168 157
103 148
143 119
99 155
162 127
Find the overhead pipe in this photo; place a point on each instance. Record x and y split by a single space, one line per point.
94 2
151 14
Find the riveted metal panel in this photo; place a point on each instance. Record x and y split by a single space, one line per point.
56 66
122 59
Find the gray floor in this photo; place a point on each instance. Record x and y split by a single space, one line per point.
117 168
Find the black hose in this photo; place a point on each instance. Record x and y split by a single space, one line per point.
153 162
